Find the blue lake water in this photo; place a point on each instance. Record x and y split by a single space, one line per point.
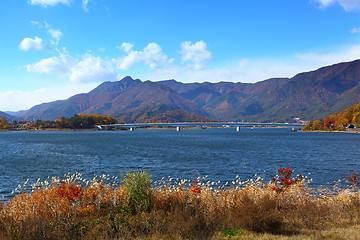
220 153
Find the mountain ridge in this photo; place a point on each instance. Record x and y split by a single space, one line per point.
307 95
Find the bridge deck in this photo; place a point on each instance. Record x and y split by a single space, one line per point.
224 124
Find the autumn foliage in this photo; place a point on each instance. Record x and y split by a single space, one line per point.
194 188
354 180
337 121
284 180
4 123
137 208
69 191
76 122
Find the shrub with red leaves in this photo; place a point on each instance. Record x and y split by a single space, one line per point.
69 191
285 180
354 180
194 188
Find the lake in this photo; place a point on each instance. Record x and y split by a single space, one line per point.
218 153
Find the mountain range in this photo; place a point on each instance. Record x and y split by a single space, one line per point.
307 96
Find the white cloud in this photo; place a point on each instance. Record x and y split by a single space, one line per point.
152 56
125 63
60 66
196 53
32 44
51 3
92 69
88 69
348 5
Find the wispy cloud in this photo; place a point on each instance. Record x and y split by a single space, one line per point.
341 54
347 5
52 3
45 3
55 34
355 30
23 100
35 23
85 5
32 44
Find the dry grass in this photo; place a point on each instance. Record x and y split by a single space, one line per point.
101 209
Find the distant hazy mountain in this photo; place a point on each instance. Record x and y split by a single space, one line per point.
309 95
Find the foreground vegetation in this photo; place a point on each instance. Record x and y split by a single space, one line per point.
350 117
137 208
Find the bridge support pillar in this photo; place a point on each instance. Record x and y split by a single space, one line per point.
132 129
238 129
178 129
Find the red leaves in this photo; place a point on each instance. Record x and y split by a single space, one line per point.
194 189
285 180
354 180
69 191
328 123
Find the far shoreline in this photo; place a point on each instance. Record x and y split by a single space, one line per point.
323 131
139 128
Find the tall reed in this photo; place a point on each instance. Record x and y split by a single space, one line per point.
136 207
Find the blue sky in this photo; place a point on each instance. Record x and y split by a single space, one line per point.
53 49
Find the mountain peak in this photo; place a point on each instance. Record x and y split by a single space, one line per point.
124 83
127 79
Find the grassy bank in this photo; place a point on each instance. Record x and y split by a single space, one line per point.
137 208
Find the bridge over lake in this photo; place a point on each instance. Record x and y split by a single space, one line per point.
179 125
